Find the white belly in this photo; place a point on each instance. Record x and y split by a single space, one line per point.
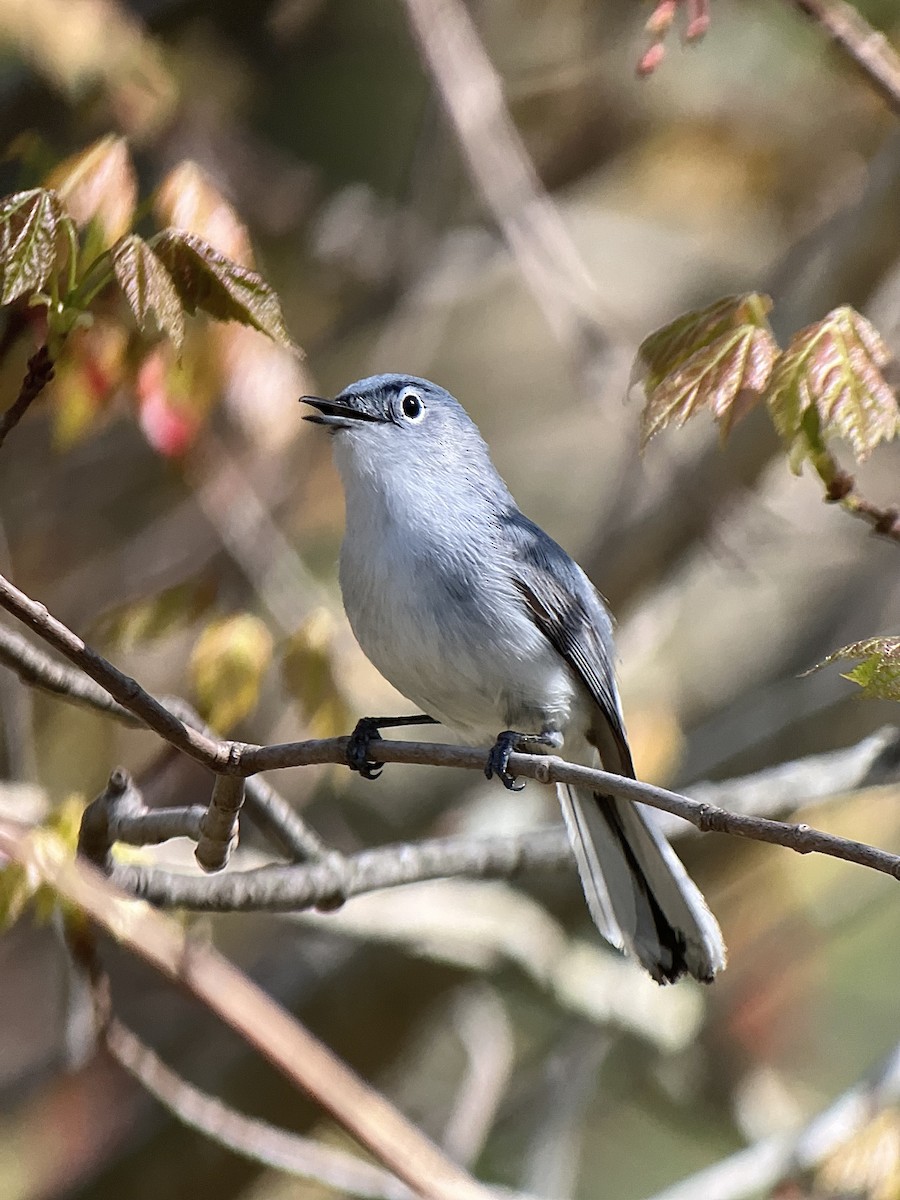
477 664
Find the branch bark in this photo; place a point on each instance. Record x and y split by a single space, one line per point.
237 758
867 48
38 375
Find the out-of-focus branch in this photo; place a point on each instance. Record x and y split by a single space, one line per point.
485 1033
262 1023
869 49
38 375
257 1140
472 93
335 879
762 1166
779 791
236 758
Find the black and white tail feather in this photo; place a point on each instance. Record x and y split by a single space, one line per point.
641 898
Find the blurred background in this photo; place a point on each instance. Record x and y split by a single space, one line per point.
149 508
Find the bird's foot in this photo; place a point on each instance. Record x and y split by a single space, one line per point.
506 743
367 730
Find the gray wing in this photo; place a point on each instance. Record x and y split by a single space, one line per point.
568 610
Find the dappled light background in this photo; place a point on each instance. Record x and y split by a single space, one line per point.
309 137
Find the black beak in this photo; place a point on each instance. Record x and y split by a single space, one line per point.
336 414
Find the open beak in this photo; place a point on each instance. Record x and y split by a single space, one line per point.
334 413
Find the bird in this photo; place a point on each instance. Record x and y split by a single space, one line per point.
487 625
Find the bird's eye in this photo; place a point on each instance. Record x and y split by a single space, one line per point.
412 407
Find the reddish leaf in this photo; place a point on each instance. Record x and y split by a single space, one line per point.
834 369
188 199
727 376
99 185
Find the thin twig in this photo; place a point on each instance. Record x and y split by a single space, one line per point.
841 489
866 47
237 758
292 1049
212 753
219 824
38 375
271 811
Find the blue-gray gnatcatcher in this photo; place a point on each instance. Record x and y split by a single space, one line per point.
486 624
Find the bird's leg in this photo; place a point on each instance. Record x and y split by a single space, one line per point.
367 730
507 742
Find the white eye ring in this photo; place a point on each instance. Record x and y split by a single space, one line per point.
411 405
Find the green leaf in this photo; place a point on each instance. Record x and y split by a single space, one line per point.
834 368
227 666
149 289
208 280
879 672
719 358
29 242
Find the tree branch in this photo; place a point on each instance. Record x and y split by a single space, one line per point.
503 172
237 758
866 47
212 753
841 489
336 879
270 810
224 990
38 375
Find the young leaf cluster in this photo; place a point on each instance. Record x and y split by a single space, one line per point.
828 382
62 245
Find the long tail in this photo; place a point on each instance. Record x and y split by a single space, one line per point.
639 894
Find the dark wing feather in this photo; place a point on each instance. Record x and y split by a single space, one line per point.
570 613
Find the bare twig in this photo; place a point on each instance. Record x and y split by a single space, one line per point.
38 375
236 758
212 753
336 879
270 810
841 489
262 1023
245 1135
293 888
119 815
869 49
219 825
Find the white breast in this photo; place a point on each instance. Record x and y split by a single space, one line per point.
450 631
